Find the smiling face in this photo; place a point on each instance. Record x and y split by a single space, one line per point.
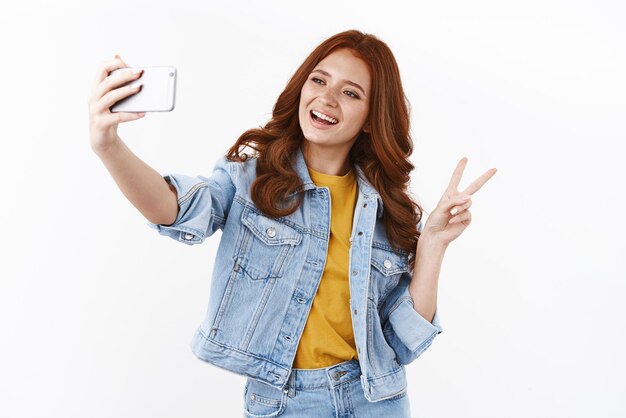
334 102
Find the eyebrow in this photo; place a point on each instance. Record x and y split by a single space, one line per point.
352 83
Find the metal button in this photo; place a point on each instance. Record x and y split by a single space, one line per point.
188 236
355 311
354 272
387 263
271 232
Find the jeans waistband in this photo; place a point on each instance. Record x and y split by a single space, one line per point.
332 376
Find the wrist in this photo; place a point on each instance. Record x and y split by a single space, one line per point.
430 243
104 150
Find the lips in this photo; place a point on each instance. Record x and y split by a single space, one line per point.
321 123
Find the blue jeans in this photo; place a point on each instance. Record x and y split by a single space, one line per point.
333 391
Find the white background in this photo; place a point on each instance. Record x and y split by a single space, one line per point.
97 310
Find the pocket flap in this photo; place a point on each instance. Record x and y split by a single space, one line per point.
389 262
268 230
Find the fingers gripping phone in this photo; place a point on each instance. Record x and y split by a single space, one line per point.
157 93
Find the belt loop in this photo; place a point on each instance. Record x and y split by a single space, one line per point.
292 383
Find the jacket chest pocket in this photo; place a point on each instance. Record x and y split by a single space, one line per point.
265 246
388 266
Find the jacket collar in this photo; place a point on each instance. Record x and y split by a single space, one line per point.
364 186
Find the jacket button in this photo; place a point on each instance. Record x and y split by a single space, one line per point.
354 272
387 263
355 311
271 232
188 236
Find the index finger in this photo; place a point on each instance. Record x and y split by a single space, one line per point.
480 181
458 173
109 66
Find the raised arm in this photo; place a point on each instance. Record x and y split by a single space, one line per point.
144 187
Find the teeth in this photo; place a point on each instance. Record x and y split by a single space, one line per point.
323 116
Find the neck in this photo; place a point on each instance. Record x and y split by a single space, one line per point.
334 162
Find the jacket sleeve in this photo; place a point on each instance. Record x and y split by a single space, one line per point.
407 332
203 203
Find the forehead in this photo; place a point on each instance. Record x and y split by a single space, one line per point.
342 64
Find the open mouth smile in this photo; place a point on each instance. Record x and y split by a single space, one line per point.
322 119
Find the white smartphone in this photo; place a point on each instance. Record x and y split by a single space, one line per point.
157 93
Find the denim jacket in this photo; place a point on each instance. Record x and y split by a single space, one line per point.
267 272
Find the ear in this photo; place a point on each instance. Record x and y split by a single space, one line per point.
366 127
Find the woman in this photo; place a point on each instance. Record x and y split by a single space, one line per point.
321 291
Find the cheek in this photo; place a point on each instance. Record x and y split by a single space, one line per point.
304 99
302 103
302 108
358 116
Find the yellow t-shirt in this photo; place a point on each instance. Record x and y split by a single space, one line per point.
328 337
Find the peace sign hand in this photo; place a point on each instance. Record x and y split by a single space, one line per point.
451 216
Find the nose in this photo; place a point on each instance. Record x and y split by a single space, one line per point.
329 98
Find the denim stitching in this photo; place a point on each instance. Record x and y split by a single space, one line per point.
192 191
388 247
225 302
370 342
254 228
265 401
245 353
267 290
398 303
313 232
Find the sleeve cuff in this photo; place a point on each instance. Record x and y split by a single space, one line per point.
178 230
412 328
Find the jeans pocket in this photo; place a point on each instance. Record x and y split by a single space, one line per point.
262 400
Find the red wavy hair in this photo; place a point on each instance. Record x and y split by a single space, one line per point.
382 154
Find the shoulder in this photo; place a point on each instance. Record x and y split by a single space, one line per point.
240 173
236 168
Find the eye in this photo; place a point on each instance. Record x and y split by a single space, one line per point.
348 92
